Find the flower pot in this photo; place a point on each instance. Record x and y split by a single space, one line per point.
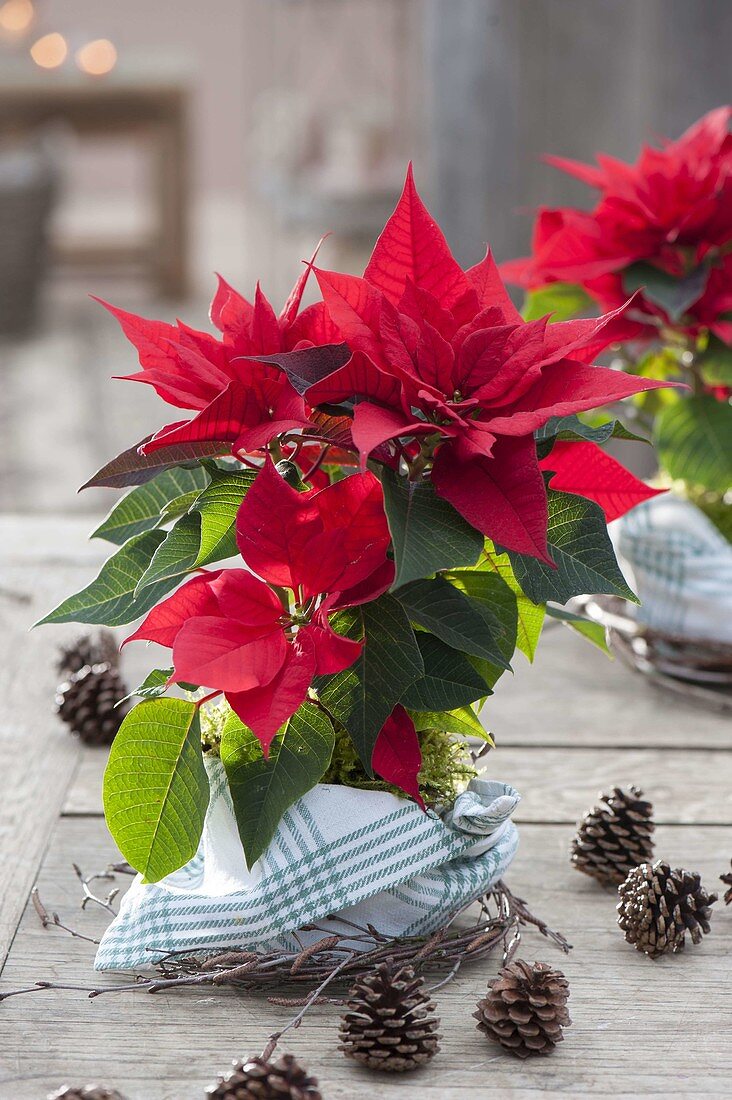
367 856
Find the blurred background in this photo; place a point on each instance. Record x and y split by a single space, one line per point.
144 146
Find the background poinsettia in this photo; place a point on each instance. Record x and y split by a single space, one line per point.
394 485
663 224
662 229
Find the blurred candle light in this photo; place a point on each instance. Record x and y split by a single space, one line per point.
16 17
50 51
96 58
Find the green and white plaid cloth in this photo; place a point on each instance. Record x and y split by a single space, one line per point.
367 856
680 565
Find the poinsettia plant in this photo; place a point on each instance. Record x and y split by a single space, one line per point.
661 228
399 481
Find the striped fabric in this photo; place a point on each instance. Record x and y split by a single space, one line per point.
680 565
369 856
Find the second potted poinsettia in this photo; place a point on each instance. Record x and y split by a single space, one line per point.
386 485
662 228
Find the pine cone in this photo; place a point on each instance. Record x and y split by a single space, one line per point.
256 1079
86 702
88 649
614 836
525 1009
727 880
85 1092
658 906
390 1022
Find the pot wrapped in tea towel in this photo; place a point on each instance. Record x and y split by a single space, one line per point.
368 856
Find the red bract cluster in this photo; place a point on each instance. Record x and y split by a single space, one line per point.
435 375
446 374
239 401
261 639
672 209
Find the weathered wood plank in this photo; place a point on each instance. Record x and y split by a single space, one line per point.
37 755
169 1047
687 788
575 695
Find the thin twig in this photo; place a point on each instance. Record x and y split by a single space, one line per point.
297 1020
123 868
527 917
72 931
40 908
89 895
52 919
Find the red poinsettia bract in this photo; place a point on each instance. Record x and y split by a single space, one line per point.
261 639
239 402
585 470
446 373
672 209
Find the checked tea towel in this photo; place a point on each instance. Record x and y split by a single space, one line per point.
366 855
680 565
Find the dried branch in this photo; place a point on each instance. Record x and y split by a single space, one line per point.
89 895
123 868
47 920
499 919
40 908
313 998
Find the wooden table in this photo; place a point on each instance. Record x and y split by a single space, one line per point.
147 105
571 725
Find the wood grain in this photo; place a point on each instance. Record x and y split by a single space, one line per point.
574 695
169 1046
37 755
571 725
557 785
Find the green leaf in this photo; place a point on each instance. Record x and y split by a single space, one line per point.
132 468
694 440
563 300
363 696
427 533
156 789
176 555
449 679
262 790
496 602
663 364
178 507
450 614
530 615
463 721
674 295
716 363
141 508
592 631
572 429
153 686
111 598
218 506
581 548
